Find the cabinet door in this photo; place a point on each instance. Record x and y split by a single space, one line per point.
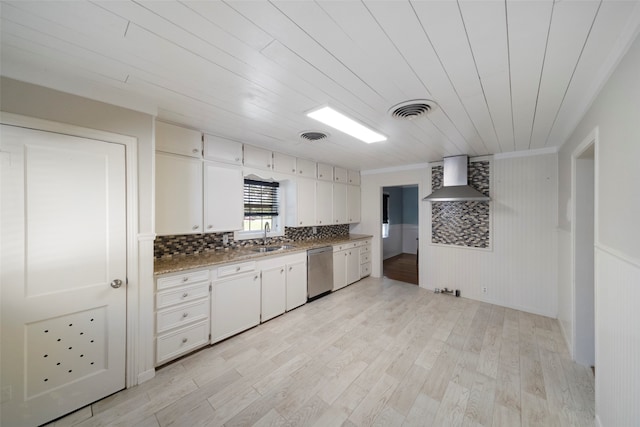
296 284
324 203
340 204
340 175
178 140
353 265
353 177
339 269
223 198
235 305
284 163
306 168
353 203
258 158
222 150
274 292
178 195
306 202
325 172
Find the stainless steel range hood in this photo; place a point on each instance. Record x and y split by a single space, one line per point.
455 187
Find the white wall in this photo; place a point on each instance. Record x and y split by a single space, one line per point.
520 269
615 114
36 101
409 236
392 245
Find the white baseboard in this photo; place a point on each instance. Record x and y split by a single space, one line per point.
146 376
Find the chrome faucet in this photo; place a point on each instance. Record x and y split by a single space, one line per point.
267 229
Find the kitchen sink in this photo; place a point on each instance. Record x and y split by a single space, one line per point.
271 248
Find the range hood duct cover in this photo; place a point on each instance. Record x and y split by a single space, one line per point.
455 187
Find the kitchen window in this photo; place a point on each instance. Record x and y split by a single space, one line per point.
261 206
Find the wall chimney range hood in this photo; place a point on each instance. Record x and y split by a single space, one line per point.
455 187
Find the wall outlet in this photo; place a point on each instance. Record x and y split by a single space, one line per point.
314 230
484 289
225 239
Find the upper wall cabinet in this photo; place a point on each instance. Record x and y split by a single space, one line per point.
223 197
340 175
222 150
178 195
258 158
306 168
284 163
325 172
353 177
178 140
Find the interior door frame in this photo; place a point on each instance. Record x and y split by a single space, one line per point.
591 140
131 169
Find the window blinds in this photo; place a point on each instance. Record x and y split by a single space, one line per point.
260 198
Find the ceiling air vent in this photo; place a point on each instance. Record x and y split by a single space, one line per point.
314 136
413 109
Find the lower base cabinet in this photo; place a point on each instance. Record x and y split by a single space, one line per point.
235 304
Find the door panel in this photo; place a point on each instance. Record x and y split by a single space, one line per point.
63 229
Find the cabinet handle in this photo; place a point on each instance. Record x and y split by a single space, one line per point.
195 150
185 279
185 315
282 271
184 340
237 268
195 227
209 226
319 222
186 294
290 268
255 278
300 222
237 159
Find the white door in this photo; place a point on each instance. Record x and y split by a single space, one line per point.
63 230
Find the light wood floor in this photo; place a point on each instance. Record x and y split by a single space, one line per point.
379 352
403 267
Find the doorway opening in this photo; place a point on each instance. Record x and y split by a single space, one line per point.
400 233
583 225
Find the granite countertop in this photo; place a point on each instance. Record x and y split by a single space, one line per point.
215 258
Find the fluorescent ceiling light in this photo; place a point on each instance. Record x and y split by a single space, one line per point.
339 121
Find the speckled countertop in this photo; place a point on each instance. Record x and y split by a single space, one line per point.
215 258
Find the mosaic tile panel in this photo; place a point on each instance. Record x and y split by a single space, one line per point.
462 223
189 244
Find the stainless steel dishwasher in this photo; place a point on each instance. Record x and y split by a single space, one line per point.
319 272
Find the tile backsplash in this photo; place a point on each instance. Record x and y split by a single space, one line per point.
188 244
462 223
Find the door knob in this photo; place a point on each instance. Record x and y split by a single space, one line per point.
116 283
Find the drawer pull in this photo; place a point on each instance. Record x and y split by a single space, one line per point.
195 227
186 294
237 268
184 340
185 279
184 315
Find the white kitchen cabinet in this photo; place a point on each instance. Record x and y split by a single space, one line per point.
296 281
340 175
178 195
365 258
353 203
306 168
284 163
301 203
222 150
235 302
274 292
346 265
353 177
325 172
339 204
223 197
178 140
182 314
324 203
258 158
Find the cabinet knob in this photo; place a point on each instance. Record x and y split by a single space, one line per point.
282 271
300 171
184 340
320 175
237 159
255 278
186 294
185 315
319 222
209 226
195 227
195 150
268 165
290 268
300 222
185 279
237 268
293 170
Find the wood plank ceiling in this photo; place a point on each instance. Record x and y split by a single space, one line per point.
506 75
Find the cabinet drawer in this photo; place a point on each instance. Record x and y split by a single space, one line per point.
182 279
365 257
176 343
181 315
365 269
230 270
183 294
366 248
